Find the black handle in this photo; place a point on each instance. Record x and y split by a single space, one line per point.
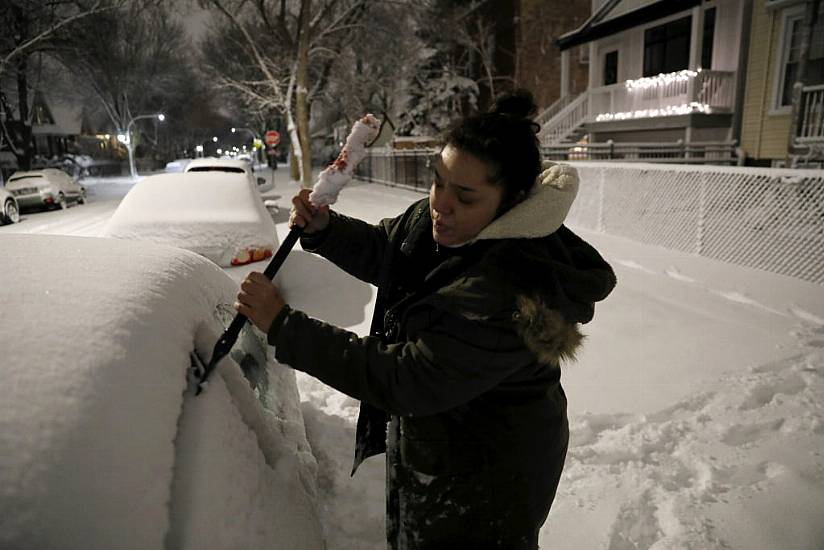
224 344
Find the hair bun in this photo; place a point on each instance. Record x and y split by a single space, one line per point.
517 103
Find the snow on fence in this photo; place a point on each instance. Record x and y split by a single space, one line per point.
771 219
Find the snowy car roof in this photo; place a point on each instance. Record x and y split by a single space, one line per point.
215 214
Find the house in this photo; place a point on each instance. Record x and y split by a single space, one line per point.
660 71
768 134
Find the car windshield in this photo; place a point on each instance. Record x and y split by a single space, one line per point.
233 169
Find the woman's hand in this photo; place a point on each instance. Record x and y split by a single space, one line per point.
307 216
259 300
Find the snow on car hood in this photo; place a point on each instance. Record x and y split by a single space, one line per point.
94 344
213 214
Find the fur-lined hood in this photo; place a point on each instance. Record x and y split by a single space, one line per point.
553 276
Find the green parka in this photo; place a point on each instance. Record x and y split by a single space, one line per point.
462 365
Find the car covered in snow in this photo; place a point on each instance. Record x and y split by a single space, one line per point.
210 164
46 188
216 214
9 209
104 443
177 165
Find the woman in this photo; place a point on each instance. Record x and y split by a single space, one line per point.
480 292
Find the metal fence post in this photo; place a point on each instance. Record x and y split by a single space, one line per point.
702 214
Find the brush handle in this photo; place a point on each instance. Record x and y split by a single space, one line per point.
230 335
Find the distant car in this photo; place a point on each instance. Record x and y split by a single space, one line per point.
9 209
102 443
217 214
178 165
46 188
230 165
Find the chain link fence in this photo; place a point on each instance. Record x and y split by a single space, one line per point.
770 219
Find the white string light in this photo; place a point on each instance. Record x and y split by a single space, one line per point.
661 79
669 110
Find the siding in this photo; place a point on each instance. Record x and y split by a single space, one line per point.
763 136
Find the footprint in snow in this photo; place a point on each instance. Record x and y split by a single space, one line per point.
743 434
636 525
765 393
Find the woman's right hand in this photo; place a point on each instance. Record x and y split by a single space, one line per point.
306 216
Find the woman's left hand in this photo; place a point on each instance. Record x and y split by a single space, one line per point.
260 300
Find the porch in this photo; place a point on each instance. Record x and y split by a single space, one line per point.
665 95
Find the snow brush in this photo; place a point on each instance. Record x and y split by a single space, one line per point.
325 192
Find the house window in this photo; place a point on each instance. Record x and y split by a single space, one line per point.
814 74
611 68
709 37
667 47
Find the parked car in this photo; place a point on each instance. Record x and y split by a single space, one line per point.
217 214
9 209
103 445
230 165
46 188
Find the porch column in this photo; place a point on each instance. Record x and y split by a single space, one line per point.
696 37
564 73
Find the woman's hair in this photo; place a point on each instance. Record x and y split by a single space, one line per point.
505 138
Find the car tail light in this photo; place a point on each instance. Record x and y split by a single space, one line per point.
249 255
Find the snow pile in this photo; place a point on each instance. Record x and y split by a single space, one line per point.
332 179
217 215
95 343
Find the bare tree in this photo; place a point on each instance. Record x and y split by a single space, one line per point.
32 27
144 68
285 52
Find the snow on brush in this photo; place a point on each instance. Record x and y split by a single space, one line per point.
99 446
335 176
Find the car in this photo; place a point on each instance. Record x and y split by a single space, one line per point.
104 443
9 209
217 214
211 164
46 188
177 165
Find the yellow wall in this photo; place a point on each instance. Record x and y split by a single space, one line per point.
763 136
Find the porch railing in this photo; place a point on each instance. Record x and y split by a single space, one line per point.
670 94
547 114
680 152
811 126
566 121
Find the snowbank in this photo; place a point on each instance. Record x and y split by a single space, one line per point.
96 438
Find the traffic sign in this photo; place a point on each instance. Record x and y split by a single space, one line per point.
272 138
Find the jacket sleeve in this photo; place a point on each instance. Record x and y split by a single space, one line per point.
449 363
353 245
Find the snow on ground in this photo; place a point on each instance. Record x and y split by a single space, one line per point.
695 409
696 406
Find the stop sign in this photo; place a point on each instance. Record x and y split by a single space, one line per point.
272 138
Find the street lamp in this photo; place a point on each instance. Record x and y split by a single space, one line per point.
126 139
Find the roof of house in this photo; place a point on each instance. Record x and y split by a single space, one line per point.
615 16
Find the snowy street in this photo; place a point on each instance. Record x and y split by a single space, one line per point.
696 406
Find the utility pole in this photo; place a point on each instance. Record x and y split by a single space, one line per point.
810 18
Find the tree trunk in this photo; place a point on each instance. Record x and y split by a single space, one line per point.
24 159
301 85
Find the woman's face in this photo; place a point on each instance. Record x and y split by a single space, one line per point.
461 200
